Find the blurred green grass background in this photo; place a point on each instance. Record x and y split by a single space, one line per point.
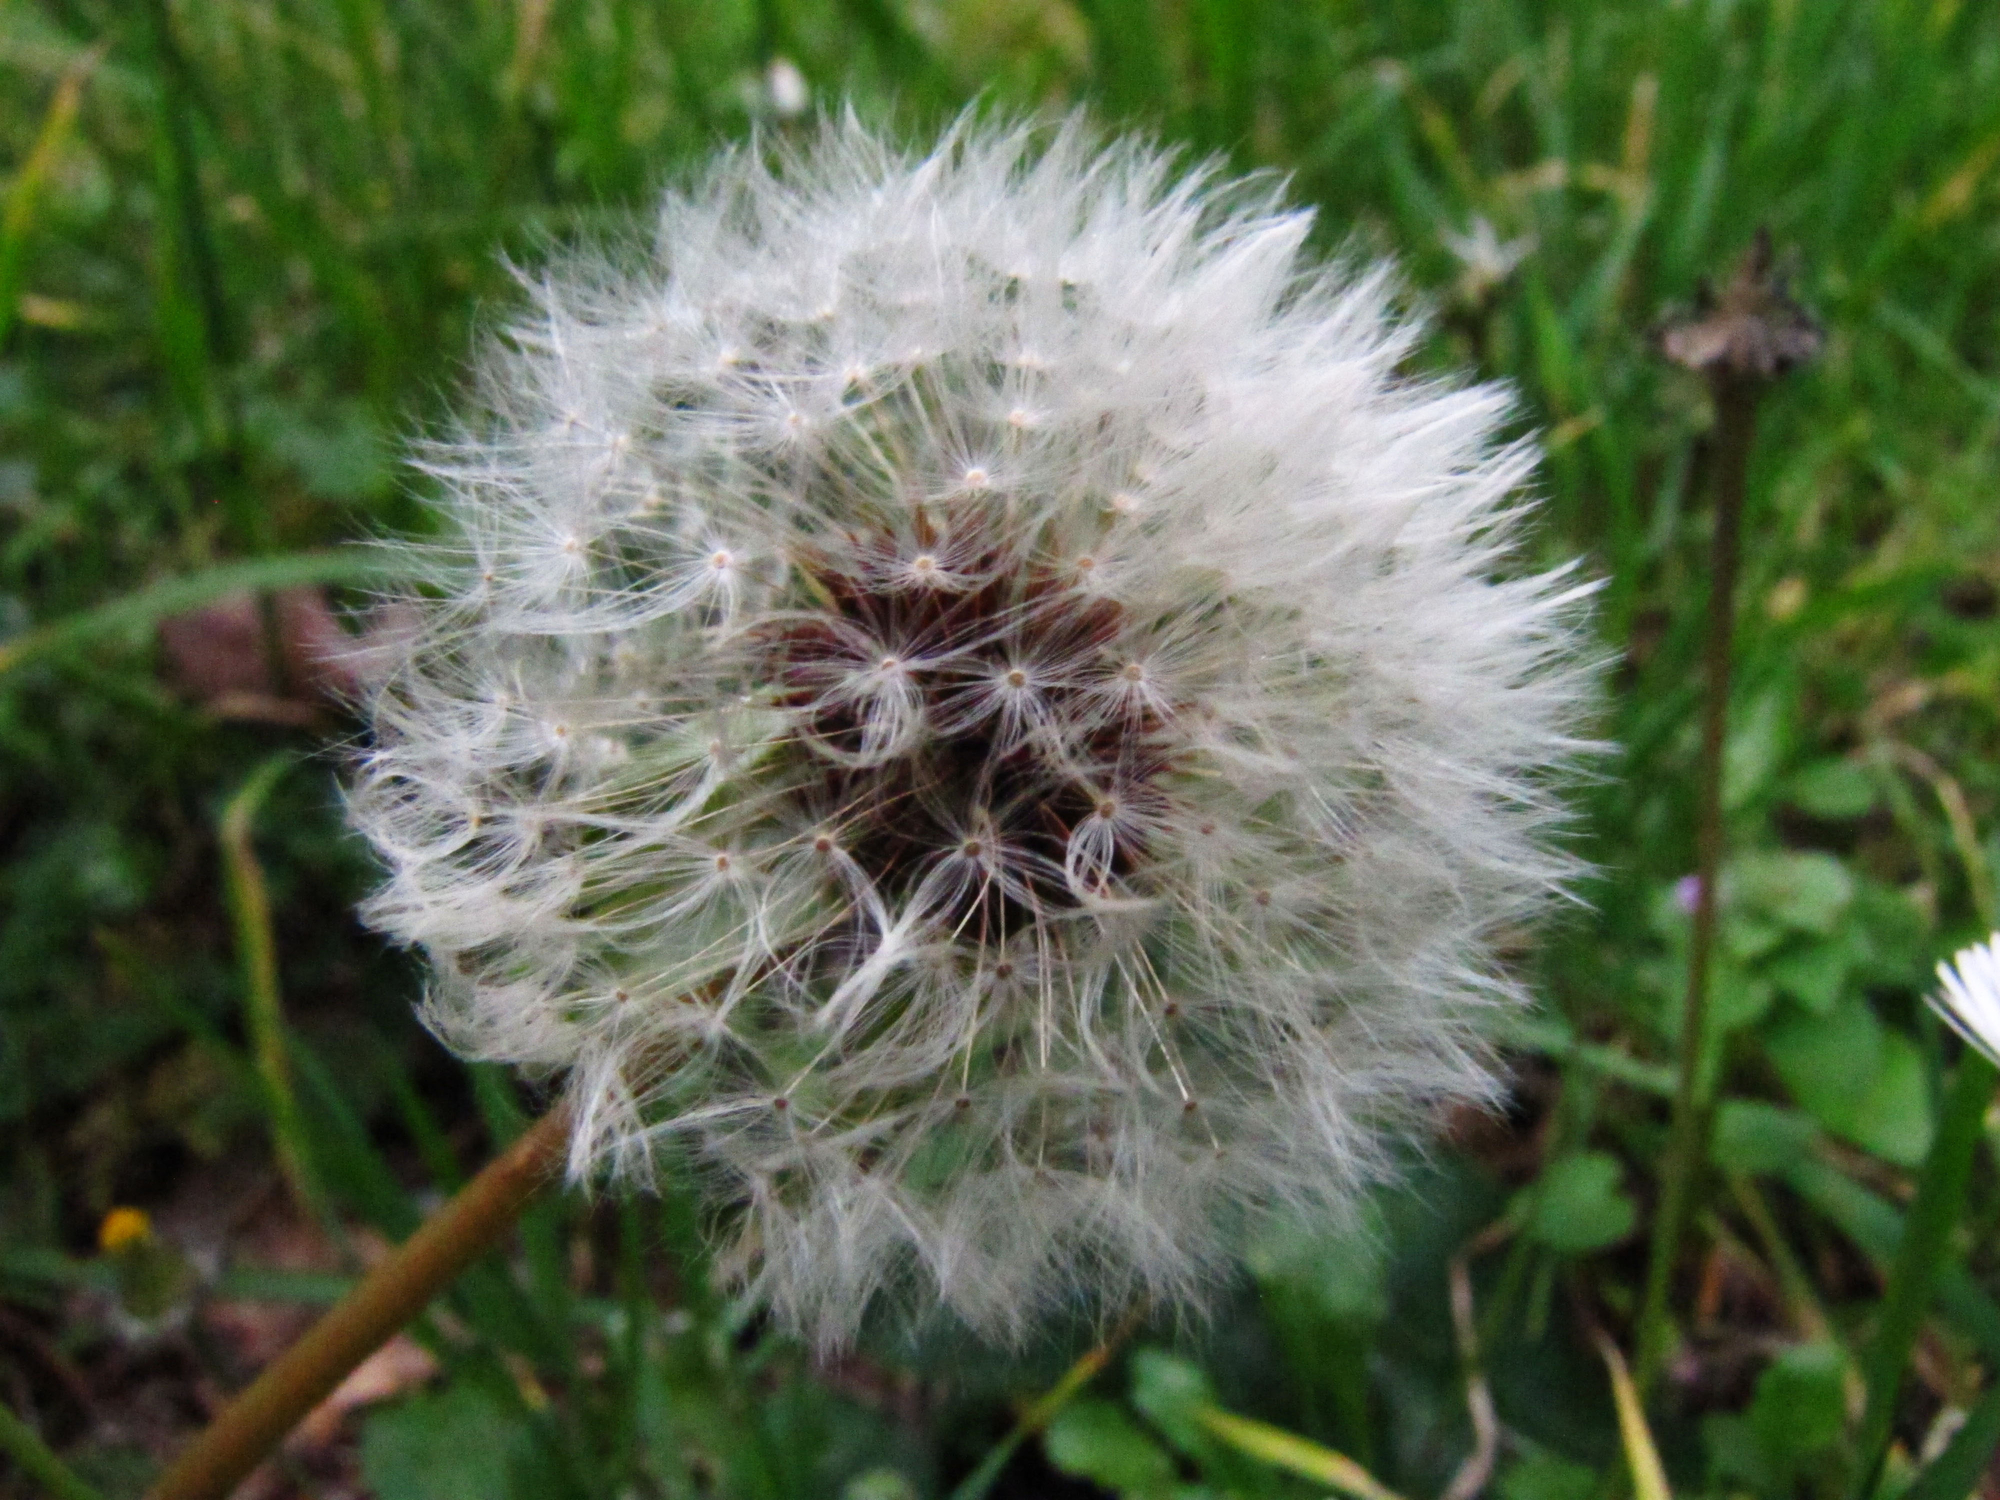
244 250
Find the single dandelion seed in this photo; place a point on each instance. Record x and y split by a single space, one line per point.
1004 779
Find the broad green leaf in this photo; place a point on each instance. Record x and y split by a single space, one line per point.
1733 1450
1342 1269
1832 789
1893 1119
1751 1137
1578 1204
1545 1476
1748 936
1805 891
1096 1440
1737 997
1855 1077
1894 941
1801 1403
1759 737
453 1444
1171 1392
879 1484
1811 974
1827 1061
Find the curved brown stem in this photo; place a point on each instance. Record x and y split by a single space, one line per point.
475 1220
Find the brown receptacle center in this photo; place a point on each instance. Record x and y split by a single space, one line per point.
977 786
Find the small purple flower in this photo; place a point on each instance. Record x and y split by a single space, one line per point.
1687 893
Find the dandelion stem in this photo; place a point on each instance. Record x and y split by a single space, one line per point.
1926 1243
473 1222
1736 428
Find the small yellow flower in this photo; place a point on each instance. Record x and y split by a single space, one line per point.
124 1226
154 1278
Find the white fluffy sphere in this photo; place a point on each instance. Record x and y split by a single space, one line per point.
967 693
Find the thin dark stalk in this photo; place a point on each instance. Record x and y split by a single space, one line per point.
477 1218
1736 429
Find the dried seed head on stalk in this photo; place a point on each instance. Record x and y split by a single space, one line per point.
965 694
1753 331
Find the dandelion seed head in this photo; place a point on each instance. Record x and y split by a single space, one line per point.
1045 727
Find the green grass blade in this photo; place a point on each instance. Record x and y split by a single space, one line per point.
17 219
1294 1454
1877 1227
38 1460
257 955
1926 1243
135 614
1955 1473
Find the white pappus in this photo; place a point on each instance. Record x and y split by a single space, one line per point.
964 695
